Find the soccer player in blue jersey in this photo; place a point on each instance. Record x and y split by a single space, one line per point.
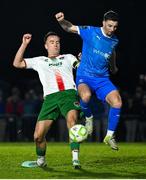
98 58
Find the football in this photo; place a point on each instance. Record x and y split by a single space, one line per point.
78 133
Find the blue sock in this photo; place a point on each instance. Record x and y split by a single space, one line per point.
85 108
114 115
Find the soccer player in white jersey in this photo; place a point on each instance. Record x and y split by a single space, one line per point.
60 95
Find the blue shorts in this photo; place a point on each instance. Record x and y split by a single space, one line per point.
101 86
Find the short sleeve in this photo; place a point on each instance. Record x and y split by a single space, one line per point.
31 63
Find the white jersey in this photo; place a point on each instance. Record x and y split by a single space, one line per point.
55 74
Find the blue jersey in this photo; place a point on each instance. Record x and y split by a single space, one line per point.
96 52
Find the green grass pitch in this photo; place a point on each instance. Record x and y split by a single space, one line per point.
97 160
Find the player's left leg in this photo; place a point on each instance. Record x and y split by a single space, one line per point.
106 91
72 117
69 107
115 102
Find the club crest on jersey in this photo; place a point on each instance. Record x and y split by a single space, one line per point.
77 104
81 81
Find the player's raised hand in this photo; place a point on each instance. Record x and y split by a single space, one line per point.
59 16
26 38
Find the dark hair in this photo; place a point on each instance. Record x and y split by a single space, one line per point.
50 33
111 15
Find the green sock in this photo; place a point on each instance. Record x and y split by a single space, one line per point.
74 145
40 152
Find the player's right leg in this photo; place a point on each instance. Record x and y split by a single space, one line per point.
41 130
85 95
49 112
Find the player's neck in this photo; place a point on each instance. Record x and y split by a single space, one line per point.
53 56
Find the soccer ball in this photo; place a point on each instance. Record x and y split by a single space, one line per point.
78 133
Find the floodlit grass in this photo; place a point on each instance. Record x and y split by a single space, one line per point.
97 160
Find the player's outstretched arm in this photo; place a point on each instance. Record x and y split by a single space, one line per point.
19 60
66 25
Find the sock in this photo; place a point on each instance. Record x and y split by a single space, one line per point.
89 118
75 150
85 108
40 152
75 154
110 133
113 119
74 145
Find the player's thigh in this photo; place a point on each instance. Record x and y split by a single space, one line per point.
104 87
49 110
69 101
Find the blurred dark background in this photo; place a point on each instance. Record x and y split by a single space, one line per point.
37 17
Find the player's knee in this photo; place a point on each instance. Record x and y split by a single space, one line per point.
38 138
117 104
86 97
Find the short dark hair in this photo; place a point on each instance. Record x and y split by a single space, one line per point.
111 15
50 33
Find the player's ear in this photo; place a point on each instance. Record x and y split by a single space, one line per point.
103 23
45 45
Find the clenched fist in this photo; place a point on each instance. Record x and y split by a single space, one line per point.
26 38
59 16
